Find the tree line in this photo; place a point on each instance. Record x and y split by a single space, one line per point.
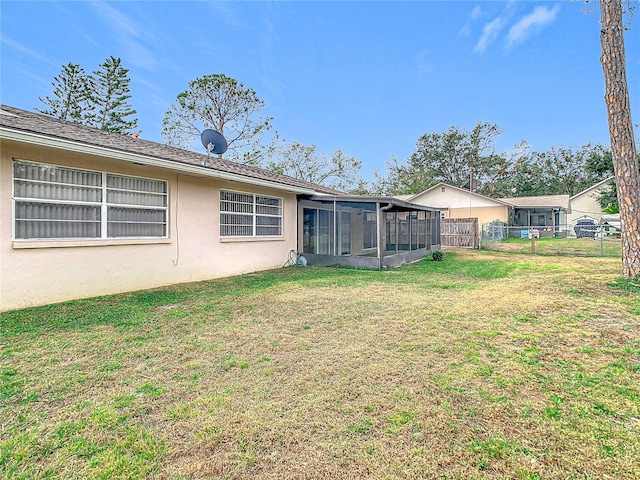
456 156
468 159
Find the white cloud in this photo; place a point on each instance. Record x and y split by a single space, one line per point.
489 34
118 20
531 23
476 13
130 34
23 49
139 55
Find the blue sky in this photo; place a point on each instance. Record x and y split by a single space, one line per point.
367 77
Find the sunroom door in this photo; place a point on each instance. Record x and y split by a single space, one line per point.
344 233
325 232
317 231
309 230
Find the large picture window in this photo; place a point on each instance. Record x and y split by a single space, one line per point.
249 215
52 202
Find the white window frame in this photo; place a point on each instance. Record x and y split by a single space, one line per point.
103 204
253 213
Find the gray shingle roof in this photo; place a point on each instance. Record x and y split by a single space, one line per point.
559 201
404 198
22 120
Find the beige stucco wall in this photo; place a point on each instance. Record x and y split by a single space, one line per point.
483 214
449 197
460 204
47 272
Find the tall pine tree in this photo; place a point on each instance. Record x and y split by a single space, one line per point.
623 148
70 90
108 95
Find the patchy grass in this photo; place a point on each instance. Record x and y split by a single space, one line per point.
484 365
628 284
572 247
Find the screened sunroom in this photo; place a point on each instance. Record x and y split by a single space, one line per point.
365 232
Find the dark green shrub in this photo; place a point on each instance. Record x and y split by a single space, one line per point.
437 256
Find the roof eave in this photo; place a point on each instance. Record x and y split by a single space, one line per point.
79 147
546 207
463 190
366 199
592 187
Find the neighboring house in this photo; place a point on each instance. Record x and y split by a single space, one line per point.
85 212
456 202
586 205
550 214
546 213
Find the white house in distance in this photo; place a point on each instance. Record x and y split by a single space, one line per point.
85 212
546 211
553 214
586 205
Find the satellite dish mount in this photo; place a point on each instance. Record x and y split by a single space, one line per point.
214 142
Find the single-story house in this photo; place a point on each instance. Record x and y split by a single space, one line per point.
85 212
551 215
586 205
546 213
456 202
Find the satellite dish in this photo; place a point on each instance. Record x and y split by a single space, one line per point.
213 141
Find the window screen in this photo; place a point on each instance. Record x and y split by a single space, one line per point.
248 215
52 202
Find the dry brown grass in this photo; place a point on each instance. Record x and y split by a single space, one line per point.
431 371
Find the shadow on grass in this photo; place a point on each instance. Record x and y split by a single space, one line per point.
130 310
133 309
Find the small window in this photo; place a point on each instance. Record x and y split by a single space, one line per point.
52 202
248 215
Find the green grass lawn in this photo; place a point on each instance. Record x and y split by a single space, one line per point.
585 247
485 365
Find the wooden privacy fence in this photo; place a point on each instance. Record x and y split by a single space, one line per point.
459 232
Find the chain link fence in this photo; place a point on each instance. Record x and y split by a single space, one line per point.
498 231
605 240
